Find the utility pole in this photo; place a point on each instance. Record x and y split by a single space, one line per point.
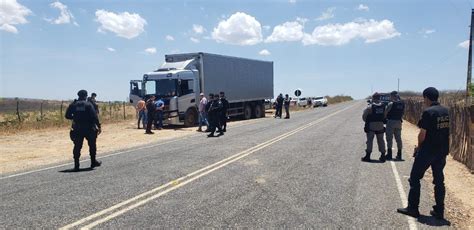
469 64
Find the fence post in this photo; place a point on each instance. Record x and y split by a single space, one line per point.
61 111
124 117
110 110
18 110
41 111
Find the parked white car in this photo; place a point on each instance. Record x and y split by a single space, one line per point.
320 101
302 102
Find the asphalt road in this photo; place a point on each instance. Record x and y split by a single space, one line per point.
270 173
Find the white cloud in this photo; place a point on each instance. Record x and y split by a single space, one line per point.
198 29
464 44
292 1
288 31
110 49
124 24
151 50
363 7
328 14
65 16
264 52
169 38
427 31
340 34
195 40
12 13
239 29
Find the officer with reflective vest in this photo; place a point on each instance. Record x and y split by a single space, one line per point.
85 125
433 147
395 110
374 116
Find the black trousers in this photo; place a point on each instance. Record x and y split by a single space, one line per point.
91 137
149 122
423 161
287 111
214 123
223 120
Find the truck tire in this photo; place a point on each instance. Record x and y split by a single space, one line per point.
247 112
190 117
259 111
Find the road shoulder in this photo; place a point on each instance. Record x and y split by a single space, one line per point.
458 180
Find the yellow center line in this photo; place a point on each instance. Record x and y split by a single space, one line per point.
124 206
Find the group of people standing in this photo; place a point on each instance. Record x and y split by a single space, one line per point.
213 113
150 113
432 149
375 117
281 102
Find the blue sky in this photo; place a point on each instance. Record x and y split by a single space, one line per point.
51 49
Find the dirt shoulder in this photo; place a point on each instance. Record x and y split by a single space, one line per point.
36 148
458 180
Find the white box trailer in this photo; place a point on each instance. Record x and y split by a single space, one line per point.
180 80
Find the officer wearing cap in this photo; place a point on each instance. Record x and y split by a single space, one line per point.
374 116
433 147
85 125
395 110
215 106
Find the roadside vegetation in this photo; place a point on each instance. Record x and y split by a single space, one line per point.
338 99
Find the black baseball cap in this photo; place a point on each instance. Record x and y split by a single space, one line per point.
82 93
431 93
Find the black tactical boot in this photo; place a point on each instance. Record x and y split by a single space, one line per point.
409 212
399 155
366 158
76 165
382 157
436 214
389 154
94 162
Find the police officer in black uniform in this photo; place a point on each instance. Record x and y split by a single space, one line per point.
85 125
395 110
213 114
286 103
433 147
151 110
223 114
374 116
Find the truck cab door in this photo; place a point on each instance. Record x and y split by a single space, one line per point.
136 91
187 96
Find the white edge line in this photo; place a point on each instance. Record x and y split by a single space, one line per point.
403 196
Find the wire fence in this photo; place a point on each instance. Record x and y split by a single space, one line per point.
18 115
461 123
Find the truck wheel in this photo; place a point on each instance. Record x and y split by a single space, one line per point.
190 118
259 112
247 112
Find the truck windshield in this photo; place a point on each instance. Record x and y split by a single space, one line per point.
166 87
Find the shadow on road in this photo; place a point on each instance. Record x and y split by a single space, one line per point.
74 171
432 221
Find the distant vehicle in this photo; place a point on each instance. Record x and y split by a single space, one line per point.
320 101
302 102
180 80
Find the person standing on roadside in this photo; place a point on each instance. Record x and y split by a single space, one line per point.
160 105
374 116
286 103
223 113
93 101
214 107
279 106
202 113
150 107
85 125
433 147
142 116
395 110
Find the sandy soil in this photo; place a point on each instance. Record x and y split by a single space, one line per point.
32 149
458 180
